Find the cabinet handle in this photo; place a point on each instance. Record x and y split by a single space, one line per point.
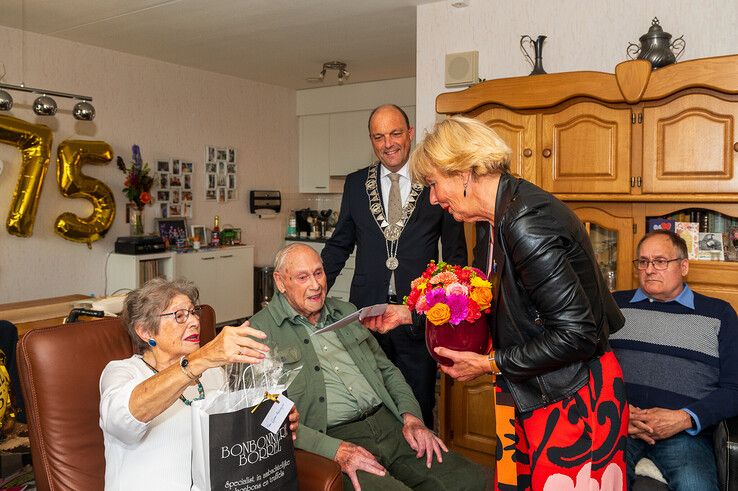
633 182
321 187
207 258
229 255
528 152
638 181
547 153
735 146
640 118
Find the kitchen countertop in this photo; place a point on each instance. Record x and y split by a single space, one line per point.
307 239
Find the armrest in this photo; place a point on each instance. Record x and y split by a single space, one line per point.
316 473
726 453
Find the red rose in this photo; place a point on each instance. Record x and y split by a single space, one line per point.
473 312
144 198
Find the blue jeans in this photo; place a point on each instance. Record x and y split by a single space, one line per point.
687 462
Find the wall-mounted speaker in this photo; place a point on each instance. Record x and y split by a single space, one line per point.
462 68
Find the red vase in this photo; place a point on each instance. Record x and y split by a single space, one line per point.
467 336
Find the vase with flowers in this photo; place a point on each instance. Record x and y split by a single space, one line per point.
137 188
455 301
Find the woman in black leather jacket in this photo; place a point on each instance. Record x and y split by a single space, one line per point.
551 313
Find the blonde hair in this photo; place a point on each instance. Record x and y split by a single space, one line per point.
460 144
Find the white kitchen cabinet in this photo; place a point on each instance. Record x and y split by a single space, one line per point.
314 153
225 278
342 286
350 147
128 271
335 144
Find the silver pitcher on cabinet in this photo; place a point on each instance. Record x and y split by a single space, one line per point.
657 47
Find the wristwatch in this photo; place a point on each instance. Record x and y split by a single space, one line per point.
184 364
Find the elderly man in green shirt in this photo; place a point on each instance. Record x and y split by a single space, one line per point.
355 406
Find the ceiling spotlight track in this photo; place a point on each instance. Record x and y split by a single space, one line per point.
44 105
340 66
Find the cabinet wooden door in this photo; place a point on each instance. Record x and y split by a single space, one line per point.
314 154
585 148
519 132
690 146
467 416
612 240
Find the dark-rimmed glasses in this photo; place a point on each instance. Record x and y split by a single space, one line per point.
659 263
182 315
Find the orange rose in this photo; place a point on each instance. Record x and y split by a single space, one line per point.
144 197
439 314
483 297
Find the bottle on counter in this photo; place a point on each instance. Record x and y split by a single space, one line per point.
292 225
215 233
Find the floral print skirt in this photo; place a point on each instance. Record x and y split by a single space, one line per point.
577 444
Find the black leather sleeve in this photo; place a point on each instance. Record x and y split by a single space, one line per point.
341 244
546 265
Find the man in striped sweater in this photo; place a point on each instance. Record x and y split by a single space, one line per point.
679 353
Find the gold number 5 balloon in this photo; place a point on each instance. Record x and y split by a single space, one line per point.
71 156
34 142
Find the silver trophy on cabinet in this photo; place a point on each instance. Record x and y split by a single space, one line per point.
527 42
657 47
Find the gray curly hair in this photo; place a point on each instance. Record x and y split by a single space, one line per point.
145 305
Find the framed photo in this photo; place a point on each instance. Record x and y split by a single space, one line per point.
163 180
231 168
175 181
221 167
231 194
162 195
211 181
231 155
186 167
221 180
162 166
172 229
221 154
221 195
164 209
231 181
175 166
209 154
211 195
211 167
199 232
187 181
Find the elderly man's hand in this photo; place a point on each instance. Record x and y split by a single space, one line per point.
422 440
394 316
294 422
637 428
666 423
467 365
353 458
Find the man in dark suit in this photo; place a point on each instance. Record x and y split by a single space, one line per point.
395 230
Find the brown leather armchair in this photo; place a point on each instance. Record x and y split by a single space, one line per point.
60 370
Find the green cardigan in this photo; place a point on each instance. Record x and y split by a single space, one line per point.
291 341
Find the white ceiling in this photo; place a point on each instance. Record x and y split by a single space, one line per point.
279 42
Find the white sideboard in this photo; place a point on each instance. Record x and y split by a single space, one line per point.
225 276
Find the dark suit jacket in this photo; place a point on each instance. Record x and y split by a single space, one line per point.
418 244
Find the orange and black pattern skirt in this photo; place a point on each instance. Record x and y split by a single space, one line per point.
574 444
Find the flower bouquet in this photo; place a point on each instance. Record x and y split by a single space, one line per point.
454 300
137 187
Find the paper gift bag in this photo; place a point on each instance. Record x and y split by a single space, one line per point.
232 451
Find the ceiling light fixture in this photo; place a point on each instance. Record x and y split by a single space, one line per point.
343 74
44 105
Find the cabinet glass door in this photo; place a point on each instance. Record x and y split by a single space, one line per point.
611 238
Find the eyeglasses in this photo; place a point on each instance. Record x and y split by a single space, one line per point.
659 263
182 315
305 277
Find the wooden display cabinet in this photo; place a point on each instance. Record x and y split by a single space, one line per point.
617 148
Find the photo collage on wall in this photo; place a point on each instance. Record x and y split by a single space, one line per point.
220 174
174 195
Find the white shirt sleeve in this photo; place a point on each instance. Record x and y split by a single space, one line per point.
116 385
